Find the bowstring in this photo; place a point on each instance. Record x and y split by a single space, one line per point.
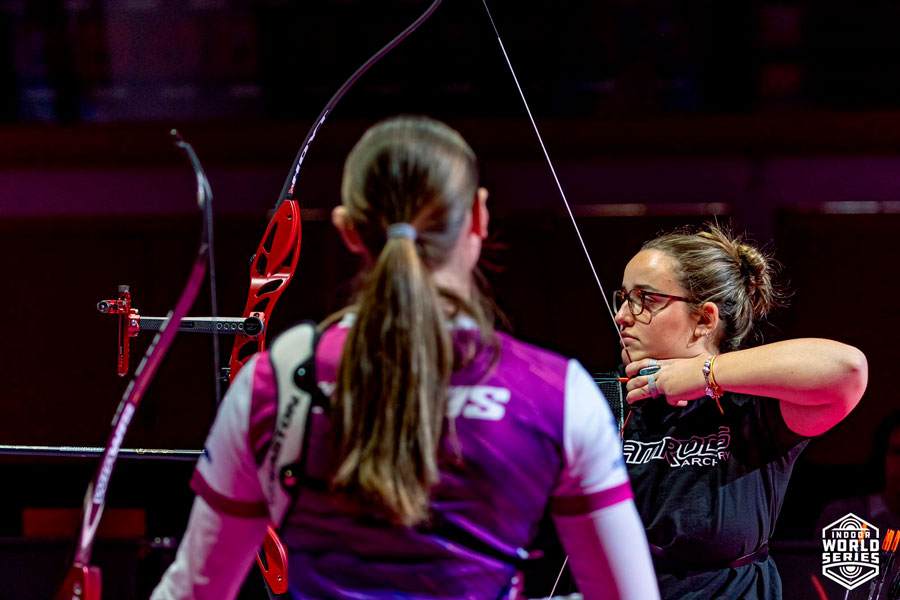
568 206
559 186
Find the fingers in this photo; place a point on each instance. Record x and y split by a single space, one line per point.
644 383
638 394
638 388
637 366
643 392
636 383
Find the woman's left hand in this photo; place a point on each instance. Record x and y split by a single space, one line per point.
678 379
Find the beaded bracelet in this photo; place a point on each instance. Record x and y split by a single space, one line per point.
713 390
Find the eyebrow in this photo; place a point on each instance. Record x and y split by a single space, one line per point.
644 286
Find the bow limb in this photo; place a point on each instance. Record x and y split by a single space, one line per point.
272 268
275 261
287 191
83 580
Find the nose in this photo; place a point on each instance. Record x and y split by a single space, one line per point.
623 317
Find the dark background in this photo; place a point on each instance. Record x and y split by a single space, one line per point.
780 117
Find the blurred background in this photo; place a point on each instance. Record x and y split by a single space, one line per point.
782 118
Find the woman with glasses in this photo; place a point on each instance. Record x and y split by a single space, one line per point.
440 444
717 423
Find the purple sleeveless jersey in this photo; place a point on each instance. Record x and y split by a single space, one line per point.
534 429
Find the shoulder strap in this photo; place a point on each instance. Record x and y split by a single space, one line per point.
293 360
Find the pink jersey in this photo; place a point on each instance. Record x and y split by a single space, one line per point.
531 431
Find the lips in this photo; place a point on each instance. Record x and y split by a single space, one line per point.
628 339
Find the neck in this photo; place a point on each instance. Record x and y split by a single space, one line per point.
455 274
701 346
453 280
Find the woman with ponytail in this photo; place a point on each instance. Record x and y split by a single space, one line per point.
716 422
439 443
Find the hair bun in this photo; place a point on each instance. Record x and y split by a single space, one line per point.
756 271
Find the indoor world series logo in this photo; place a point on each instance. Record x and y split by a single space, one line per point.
850 554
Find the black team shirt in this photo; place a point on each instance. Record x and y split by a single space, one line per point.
709 488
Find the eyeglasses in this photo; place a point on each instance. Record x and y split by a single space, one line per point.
639 299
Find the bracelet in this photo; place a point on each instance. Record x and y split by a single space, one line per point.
712 375
713 390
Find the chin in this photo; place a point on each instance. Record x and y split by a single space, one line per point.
636 355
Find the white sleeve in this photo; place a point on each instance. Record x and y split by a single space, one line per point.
229 516
592 503
214 556
594 475
226 475
608 553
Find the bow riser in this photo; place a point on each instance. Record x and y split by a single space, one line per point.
82 583
271 269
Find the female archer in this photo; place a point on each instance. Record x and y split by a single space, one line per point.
711 449
428 466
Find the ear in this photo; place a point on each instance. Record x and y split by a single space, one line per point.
340 218
480 214
708 320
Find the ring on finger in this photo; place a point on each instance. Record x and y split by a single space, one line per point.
651 384
651 368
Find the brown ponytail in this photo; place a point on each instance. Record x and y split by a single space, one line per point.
391 392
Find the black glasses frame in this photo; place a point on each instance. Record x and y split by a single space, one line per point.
622 295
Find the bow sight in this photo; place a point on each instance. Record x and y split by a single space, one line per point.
131 323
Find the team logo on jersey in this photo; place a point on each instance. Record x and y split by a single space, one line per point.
694 451
483 402
850 554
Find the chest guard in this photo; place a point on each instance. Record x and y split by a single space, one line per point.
293 360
